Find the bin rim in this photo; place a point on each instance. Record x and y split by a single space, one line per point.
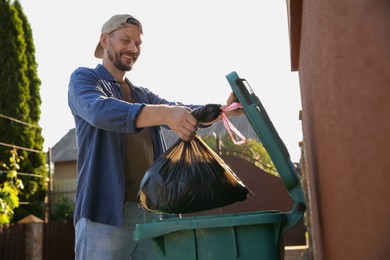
162 227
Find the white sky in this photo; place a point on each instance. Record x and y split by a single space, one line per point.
188 48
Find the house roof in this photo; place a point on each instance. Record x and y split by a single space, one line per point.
66 150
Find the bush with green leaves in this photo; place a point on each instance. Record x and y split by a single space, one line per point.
251 150
63 210
10 186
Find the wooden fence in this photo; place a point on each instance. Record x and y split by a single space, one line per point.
12 242
46 241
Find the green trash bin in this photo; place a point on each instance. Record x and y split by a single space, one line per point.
251 235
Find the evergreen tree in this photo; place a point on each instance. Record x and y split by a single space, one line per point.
20 99
35 161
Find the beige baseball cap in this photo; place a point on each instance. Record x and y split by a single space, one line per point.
114 23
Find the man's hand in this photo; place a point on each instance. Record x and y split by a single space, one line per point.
236 112
177 118
182 122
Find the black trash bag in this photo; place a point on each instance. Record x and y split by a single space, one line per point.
207 113
190 177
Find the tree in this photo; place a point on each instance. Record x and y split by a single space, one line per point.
20 97
63 210
35 162
9 188
251 150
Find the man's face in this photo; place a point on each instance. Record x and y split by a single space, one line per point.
124 47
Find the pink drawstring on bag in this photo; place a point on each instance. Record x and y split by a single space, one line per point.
229 126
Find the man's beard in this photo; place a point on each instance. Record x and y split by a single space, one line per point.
115 58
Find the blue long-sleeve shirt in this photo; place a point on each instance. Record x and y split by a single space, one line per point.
102 120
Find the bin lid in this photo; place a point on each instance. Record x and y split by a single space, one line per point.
271 141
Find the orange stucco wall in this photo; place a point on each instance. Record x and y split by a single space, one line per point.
344 72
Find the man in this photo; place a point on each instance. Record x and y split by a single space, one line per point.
118 137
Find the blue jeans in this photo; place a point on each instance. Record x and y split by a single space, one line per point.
100 241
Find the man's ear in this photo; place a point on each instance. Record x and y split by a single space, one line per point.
103 40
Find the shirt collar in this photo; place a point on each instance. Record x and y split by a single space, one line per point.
105 75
